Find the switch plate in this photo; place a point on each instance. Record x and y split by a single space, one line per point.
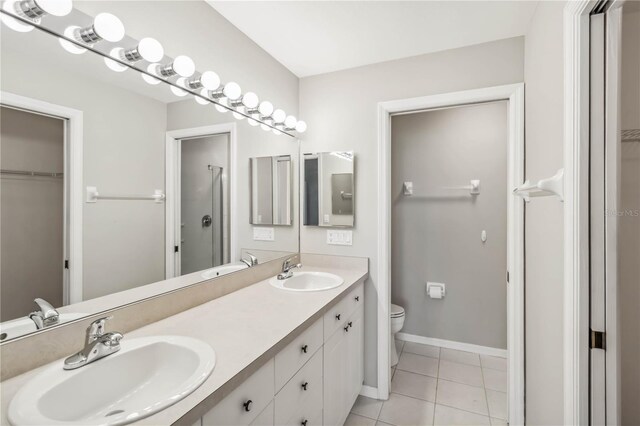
338 237
263 234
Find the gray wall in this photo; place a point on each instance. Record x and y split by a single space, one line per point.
31 212
630 224
436 232
543 67
341 111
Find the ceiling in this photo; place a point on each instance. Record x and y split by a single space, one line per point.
315 37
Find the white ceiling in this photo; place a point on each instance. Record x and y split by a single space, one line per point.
315 37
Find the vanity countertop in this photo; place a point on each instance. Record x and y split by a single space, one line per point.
245 328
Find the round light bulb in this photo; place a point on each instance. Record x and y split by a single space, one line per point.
265 108
210 80
220 108
177 91
279 116
252 121
290 122
55 7
184 66
301 126
237 115
69 32
150 49
108 27
277 132
9 6
201 101
113 65
265 127
232 91
151 68
250 100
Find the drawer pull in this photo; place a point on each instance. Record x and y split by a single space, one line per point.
357 298
350 324
338 317
304 348
304 423
304 385
346 328
247 405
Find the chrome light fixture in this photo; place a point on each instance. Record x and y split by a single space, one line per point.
182 65
33 10
105 27
148 49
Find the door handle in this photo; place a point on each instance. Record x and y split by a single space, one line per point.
206 221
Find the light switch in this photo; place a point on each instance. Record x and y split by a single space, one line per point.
338 237
327 219
263 234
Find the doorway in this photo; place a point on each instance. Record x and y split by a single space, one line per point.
513 95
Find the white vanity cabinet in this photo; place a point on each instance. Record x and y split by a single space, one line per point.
313 381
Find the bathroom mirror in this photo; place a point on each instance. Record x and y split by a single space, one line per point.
113 182
329 189
271 190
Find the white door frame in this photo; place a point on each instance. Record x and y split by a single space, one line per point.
73 194
514 94
172 191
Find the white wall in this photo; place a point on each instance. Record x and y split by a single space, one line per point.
341 111
543 68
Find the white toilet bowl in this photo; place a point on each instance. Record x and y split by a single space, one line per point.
397 321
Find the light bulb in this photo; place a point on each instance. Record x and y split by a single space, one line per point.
290 122
220 107
301 127
210 80
181 65
70 32
279 116
9 6
33 10
250 100
177 91
232 91
237 115
151 69
113 65
105 27
50 7
148 49
253 121
277 132
265 127
201 101
265 108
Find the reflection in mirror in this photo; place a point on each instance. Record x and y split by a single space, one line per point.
271 190
111 182
329 189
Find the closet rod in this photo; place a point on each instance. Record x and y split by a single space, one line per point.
27 173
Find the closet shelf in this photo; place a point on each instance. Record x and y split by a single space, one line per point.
93 196
549 187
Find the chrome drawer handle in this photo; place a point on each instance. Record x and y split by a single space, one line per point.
357 298
303 423
247 405
338 317
304 385
346 328
304 348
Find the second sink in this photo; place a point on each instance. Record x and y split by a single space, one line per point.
308 281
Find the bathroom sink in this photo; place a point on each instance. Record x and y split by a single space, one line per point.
308 281
21 326
147 375
224 270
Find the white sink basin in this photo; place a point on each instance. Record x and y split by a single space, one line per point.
308 281
147 375
25 325
223 270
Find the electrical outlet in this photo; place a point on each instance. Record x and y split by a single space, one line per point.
338 237
263 234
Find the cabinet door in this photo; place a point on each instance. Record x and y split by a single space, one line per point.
336 378
355 356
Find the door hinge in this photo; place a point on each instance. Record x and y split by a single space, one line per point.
598 340
66 264
176 249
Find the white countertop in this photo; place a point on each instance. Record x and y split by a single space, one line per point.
245 328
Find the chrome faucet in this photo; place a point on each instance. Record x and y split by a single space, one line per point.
287 269
98 345
47 316
251 261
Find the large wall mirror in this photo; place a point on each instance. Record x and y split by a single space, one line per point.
115 180
329 189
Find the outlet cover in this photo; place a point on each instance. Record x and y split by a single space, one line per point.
263 234
338 237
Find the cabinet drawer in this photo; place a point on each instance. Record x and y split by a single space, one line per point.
289 360
302 395
336 316
265 418
246 402
306 419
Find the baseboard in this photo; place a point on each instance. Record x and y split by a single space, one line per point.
450 344
369 391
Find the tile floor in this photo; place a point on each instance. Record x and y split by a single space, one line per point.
438 386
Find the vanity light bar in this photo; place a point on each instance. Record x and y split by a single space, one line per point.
19 15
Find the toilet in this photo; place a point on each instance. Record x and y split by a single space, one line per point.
397 321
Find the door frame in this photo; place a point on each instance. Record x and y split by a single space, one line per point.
73 193
172 207
514 94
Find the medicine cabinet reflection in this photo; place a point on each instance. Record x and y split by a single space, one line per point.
271 190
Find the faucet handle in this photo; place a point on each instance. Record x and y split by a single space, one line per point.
96 329
47 310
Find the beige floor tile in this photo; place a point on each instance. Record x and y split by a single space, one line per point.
461 373
452 416
402 410
495 380
399 346
379 423
498 422
497 402
355 420
464 397
418 364
420 349
367 407
414 385
460 356
493 362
